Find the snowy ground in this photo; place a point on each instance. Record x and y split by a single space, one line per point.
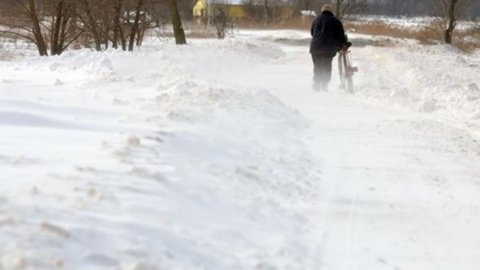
217 155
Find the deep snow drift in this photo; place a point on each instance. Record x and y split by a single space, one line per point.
217 155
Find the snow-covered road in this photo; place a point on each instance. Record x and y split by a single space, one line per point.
400 190
217 155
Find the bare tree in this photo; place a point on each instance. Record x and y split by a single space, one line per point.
266 12
344 8
89 18
28 20
117 13
31 12
121 22
449 11
177 23
62 33
220 22
24 22
136 24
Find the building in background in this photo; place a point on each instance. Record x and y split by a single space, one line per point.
242 11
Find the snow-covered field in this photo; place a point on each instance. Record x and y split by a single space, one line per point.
412 22
217 155
429 28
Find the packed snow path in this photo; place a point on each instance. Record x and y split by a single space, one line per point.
221 157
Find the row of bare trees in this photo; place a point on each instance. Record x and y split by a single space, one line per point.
55 25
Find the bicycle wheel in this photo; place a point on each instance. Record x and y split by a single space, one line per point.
348 72
350 84
341 69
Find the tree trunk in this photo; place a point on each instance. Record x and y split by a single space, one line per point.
65 22
338 9
141 35
135 27
60 22
37 30
265 12
116 22
93 25
123 39
177 23
452 21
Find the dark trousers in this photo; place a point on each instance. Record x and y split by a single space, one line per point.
322 69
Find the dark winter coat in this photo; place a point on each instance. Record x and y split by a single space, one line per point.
328 35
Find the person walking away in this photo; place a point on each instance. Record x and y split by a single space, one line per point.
328 37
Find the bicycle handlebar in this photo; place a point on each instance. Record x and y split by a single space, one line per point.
345 47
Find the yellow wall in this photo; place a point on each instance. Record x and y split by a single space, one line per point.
200 8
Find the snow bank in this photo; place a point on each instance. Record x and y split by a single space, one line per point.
432 79
137 161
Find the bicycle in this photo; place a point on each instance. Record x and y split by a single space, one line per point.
346 69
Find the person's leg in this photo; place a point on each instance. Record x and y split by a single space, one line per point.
317 69
325 64
322 70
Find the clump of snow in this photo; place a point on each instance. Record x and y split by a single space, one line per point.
194 101
95 66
